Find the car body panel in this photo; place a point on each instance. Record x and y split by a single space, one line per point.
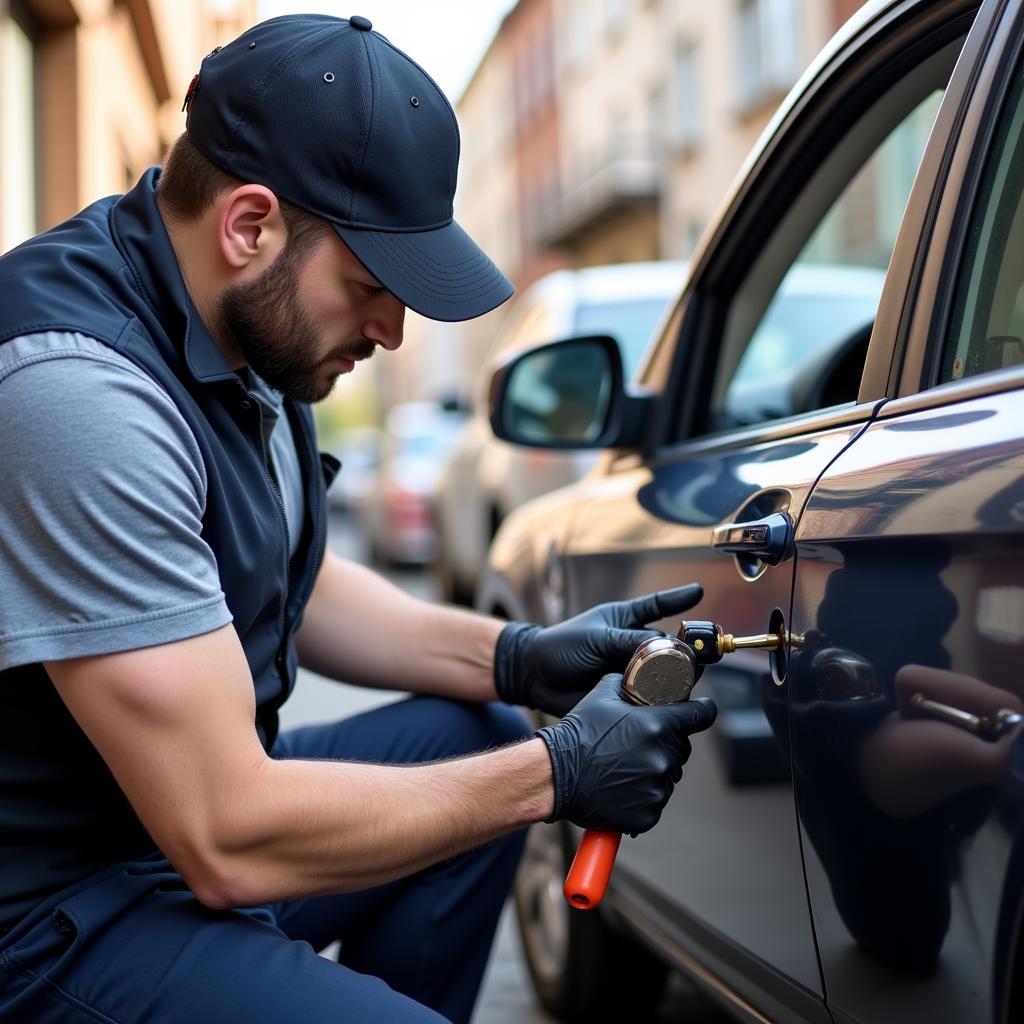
650 529
910 825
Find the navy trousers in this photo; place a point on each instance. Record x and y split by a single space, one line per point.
134 946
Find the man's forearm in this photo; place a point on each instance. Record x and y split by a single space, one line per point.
360 628
304 828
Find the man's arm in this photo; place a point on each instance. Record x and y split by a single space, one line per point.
360 628
175 725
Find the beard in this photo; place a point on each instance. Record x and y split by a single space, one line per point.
265 320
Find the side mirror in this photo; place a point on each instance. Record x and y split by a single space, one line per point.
568 394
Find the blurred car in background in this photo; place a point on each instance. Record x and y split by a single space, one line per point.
397 516
484 479
358 449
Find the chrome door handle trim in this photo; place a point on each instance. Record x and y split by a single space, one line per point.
770 539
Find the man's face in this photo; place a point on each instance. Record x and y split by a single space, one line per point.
309 318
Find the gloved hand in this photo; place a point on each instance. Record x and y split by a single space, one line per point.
615 763
551 669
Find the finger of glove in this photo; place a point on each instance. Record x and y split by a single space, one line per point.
617 646
690 716
609 687
660 605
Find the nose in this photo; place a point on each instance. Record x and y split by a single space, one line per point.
386 324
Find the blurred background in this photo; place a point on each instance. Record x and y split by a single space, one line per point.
595 133
599 138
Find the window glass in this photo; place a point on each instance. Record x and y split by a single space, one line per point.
988 312
796 329
17 134
630 323
690 124
767 48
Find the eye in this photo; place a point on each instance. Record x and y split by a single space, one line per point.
370 290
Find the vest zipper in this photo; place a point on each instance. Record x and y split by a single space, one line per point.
319 519
284 519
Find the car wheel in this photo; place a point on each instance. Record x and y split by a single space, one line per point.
452 590
582 970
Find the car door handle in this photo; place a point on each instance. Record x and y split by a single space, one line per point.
769 539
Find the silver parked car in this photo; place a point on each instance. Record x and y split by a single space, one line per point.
819 316
397 513
484 478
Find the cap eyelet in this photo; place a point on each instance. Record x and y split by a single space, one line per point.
252 46
328 78
414 100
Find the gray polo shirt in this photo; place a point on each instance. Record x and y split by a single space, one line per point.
104 491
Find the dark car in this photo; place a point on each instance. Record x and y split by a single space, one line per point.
847 843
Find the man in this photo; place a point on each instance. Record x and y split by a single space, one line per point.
167 856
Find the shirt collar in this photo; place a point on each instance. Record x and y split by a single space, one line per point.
142 236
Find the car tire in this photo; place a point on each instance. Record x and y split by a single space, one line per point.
582 970
448 583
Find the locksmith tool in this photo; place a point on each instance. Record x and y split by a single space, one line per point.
987 727
663 670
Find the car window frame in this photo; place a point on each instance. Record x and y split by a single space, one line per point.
857 69
917 375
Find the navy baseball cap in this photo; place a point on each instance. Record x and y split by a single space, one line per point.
333 118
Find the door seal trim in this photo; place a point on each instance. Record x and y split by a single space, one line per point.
687 962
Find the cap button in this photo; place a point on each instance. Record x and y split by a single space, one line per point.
363 24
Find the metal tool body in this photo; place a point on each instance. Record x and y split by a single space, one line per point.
663 670
988 727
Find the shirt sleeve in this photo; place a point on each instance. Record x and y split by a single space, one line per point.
101 519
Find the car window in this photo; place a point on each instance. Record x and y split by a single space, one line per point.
629 322
988 310
796 329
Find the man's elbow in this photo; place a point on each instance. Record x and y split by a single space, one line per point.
223 882
216 859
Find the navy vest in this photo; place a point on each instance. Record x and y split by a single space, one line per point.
111 273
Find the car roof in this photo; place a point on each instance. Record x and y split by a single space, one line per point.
611 283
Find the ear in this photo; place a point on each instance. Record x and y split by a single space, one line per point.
250 229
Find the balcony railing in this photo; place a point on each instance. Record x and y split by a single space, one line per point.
624 177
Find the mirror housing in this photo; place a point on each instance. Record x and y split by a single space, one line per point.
567 395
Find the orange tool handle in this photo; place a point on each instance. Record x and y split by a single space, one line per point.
587 881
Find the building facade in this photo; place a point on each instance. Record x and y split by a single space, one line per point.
654 105
90 96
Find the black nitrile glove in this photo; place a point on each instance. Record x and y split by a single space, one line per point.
551 669
615 763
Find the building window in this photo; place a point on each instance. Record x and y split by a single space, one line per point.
615 14
768 49
689 121
656 120
579 33
18 170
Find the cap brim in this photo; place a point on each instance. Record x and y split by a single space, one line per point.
442 274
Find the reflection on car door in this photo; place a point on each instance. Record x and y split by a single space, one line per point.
723 872
909 612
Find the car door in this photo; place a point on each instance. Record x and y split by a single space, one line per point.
759 373
909 610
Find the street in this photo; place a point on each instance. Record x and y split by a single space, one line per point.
507 996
